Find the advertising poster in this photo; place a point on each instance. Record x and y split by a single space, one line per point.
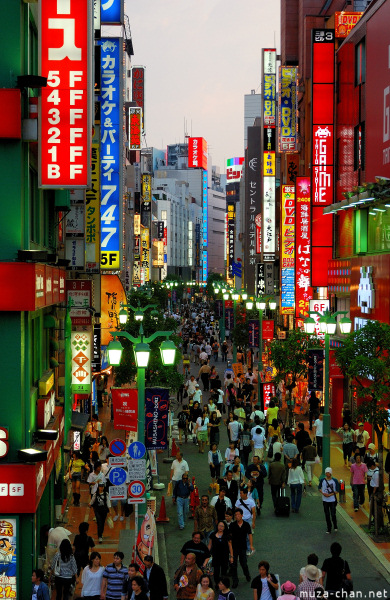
316 370
145 539
125 403
81 362
8 558
156 418
253 333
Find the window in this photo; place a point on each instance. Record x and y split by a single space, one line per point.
360 62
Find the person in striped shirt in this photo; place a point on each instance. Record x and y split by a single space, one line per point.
114 576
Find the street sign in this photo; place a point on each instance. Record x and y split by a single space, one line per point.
117 476
137 469
118 492
137 450
117 461
136 501
136 489
117 447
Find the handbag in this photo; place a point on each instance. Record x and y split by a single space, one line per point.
66 477
169 489
110 522
317 460
346 584
57 567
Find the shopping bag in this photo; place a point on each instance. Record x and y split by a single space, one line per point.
110 522
169 489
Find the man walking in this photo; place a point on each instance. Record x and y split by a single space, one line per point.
319 433
231 487
328 489
187 578
221 503
205 519
239 531
277 476
114 576
258 473
361 438
358 481
197 547
179 468
181 497
155 577
248 507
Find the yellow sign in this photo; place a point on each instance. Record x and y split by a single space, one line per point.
46 382
110 260
145 254
137 224
269 169
112 294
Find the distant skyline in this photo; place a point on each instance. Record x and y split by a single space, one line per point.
201 58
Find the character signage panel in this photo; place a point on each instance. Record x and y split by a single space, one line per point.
303 290
156 418
81 362
135 125
138 85
287 250
197 153
288 109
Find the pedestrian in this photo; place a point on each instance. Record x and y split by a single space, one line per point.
195 412
64 568
181 497
201 430
248 507
76 466
372 468
319 433
239 531
197 394
204 591
346 415
302 438
81 545
224 350
190 386
310 588
156 579
96 477
186 578
253 494
138 593
205 518
183 419
257 472
214 425
309 454
314 404
358 481
276 476
234 429
215 461
245 445
257 412
258 441
312 559
231 487
221 503
328 489
361 439
215 351
274 429
290 451
204 374
274 447
334 571
196 547
94 427
272 412
179 467
103 450
265 584
296 482
221 550
288 588
92 577
40 590
133 570
371 454
348 435
224 589
101 504
114 576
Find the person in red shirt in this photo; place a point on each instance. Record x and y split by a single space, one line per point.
358 481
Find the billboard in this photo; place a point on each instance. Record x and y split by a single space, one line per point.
135 127
197 153
288 109
111 152
92 209
344 22
138 89
303 290
287 249
231 223
269 86
205 208
234 168
111 12
253 204
81 362
65 104
269 203
269 149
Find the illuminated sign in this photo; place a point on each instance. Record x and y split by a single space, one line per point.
205 208
345 22
65 118
9 547
81 362
137 224
269 86
111 152
135 127
288 107
231 216
92 209
111 12
234 169
197 153
138 89
205 265
287 250
269 235
322 165
145 254
303 290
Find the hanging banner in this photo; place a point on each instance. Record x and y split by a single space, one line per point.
229 318
316 370
260 280
8 557
81 362
92 209
253 333
125 404
218 308
303 290
288 109
156 418
112 295
268 329
145 539
135 127
287 250
138 89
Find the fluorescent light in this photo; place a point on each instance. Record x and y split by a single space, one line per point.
379 209
372 213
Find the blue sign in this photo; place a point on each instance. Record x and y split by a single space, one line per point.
137 450
110 152
111 11
117 476
205 265
205 208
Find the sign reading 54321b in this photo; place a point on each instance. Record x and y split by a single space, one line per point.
65 103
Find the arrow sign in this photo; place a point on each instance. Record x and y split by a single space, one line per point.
118 492
117 447
117 476
136 489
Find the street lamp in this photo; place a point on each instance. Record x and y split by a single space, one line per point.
137 310
328 325
142 355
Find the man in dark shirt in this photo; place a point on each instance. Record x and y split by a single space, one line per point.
231 487
302 437
239 530
181 497
277 476
258 472
313 408
335 568
197 547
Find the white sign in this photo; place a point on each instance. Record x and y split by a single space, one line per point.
118 492
117 461
319 306
137 469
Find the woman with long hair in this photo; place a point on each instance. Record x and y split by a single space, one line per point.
102 506
295 480
347 442
204 591
214 425
215 461
81 545
201 429
103 450
76 466
220 547
91 578
64 568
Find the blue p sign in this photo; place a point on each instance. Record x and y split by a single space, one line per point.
117 476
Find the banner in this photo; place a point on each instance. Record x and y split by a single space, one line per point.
8 557
229 318
156 418
253 333
145 539
125 403
316 370
218 308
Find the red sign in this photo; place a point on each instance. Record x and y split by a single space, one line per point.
197 153
303 290
344 22
268 329
28 286
136 489
65 115
377 90
322 166
334 369
135 128
125 403
269 391
10 108
138 80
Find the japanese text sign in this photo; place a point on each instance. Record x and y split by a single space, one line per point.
135 125
287 250
81 361
111 12
303 291
288 106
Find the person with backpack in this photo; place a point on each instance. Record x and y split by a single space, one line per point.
224 350
101 504
182 423
224 589
328 487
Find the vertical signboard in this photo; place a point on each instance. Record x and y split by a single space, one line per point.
269 233
146 203
156 418
260 280
197 153
234 169
197 246
231 216
81 362
269 149
303 290
323 82
288 109
9 548
92 209
135 127
205 265
145 254
287 249
65 104
111 152
205 208
253 204
138 89
111 12
269 87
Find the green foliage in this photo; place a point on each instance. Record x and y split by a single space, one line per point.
240 333
290 356
213 278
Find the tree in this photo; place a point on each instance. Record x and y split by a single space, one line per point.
365 359
290 358
240 333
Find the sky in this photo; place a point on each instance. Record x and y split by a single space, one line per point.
201 58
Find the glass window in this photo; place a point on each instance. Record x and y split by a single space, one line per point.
379 229
360 62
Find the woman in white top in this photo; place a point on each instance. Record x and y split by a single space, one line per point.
201 429
92 578
295 481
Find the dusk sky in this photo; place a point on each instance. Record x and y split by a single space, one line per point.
201 57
